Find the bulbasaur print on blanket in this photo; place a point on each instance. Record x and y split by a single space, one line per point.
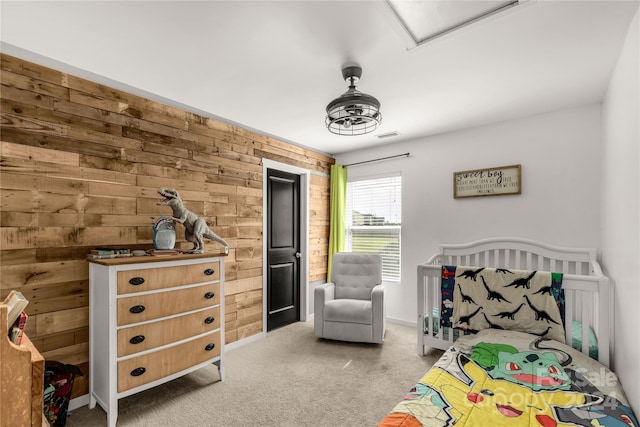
476 298
506 378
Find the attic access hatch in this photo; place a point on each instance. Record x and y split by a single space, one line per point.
426 20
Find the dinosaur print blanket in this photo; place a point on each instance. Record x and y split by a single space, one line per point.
508 378
476 298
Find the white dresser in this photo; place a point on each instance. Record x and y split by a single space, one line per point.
152 319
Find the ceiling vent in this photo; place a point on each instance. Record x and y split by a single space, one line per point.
388 135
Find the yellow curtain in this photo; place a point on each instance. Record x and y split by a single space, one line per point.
337 219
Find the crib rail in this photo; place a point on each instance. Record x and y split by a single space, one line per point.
523 254
588 294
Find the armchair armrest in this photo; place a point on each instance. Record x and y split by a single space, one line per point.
377 296
379 313
321 294
326 292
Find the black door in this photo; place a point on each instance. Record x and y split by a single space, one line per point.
283 248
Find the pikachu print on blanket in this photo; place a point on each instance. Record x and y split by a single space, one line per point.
443 399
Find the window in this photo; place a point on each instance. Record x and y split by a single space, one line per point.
374 221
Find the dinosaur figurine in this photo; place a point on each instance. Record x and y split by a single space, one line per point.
195 228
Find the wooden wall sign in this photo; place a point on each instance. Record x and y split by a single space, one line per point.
487 182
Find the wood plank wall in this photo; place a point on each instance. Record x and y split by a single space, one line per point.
80 167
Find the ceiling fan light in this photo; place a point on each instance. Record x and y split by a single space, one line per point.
353 112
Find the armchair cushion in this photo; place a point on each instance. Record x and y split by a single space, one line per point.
348 310
356 274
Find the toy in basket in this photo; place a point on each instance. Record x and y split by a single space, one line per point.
58 385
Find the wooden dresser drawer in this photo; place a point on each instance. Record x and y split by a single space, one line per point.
143 337
138 308
149 279
150 367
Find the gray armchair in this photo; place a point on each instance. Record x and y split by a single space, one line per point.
351 307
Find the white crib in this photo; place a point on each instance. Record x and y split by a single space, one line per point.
588 293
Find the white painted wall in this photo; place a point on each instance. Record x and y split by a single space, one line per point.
560 201
620 212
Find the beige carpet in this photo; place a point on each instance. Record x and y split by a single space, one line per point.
290 378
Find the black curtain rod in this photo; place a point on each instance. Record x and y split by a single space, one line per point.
381 158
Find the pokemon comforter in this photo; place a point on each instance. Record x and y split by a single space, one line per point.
508 378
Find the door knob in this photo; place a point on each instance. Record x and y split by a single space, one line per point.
298 255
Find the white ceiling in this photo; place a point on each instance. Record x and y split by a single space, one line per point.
274 65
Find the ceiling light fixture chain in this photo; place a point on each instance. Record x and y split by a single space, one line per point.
353 112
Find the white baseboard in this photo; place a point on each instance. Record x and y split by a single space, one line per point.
79 402
244 341
402 322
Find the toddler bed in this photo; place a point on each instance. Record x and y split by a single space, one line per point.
519 320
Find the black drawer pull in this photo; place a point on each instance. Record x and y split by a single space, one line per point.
209 320
209 295
137 339
138 371
136 281
209 272
210 347
136 309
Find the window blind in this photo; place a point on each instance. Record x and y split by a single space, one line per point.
374 212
